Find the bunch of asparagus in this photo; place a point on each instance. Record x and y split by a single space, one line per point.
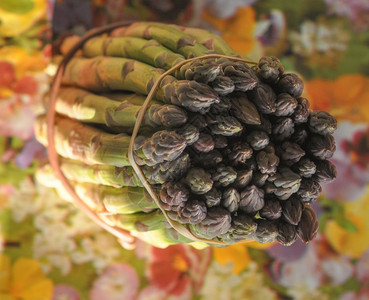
232 150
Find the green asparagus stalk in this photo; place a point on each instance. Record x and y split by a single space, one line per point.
170 37
147 51
138 221
121 115
101 74
210 40
152 53
123 200
97 174
120 176
82 142
165 237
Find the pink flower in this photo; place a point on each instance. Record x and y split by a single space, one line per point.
177 268
351 161
65 292
362 268
363 294
16 119
356 11
305 271
117 282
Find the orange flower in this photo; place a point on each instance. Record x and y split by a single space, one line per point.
238 30
346 97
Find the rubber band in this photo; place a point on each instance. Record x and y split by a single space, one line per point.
124 236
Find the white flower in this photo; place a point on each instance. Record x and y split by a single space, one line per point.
301 292
318 37
303 274
338 268
23 202
221 283
65 235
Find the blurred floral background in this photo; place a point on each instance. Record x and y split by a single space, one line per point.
50 250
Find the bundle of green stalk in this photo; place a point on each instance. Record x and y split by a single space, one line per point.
232 150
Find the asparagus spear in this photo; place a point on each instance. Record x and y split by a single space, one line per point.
121 176
147 51
81 142
101 74
210 40
153 53
96 174
165 237
170 37
123 200
122 115
137 221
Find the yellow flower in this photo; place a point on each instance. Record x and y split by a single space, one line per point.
238 30
23 61
15 19
352 244
24 280
237 254
346 97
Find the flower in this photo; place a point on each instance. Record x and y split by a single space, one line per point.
363 294
338 268
31 150
319 42
65 292
177 267
271 32
237 255
24 280
290 253
304 274
351 163
118 281
362 268
346 97
352 244
221 283
152 292
237 30
16 19
356 11
224 8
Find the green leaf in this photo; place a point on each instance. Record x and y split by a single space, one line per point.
18 236
335 291
323 221
345 223
17 6
10 173
16 143
335 210
259 256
